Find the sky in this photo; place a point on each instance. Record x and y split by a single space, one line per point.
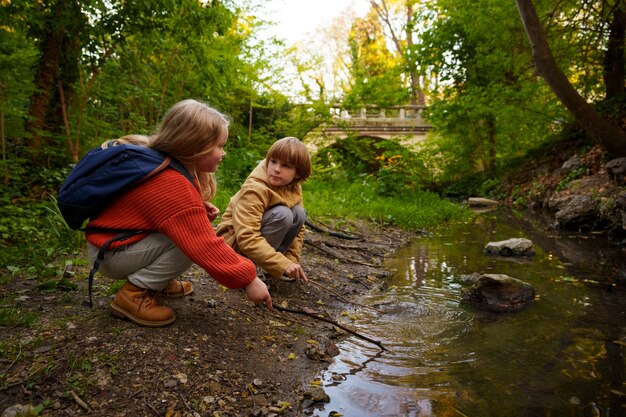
295 18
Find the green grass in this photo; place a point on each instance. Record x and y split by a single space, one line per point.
12 315
411 211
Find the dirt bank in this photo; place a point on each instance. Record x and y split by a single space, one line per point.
222 357
575 184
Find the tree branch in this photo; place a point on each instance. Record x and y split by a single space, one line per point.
330 232
333 322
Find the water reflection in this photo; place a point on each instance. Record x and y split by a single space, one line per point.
562 356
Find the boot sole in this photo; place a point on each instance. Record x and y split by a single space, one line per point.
119 313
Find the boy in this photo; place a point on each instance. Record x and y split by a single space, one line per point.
264 220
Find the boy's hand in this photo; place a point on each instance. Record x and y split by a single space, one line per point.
211 211
294 270
257 291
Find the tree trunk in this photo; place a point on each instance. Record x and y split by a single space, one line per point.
60 51
44 78
614 60
611 137
3 90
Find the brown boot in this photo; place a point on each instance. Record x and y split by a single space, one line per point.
140 306
177 288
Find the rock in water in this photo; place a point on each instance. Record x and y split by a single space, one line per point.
510 247
498 293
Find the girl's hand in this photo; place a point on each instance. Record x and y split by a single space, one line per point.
294 270
257 291
211 211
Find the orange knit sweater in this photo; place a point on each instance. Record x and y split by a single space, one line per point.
170 204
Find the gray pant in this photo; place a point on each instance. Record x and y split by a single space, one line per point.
280 225
150 263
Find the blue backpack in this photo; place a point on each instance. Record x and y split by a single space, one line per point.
100 176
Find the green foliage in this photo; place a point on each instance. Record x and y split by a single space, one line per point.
492 107
351 155
572 175
237 165
17 57
401 170
32 236
121 65
376 71
391 166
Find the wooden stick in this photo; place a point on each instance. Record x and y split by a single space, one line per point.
333 322
336 255
341 297
80 402
330 233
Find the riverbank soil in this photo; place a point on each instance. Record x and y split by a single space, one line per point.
223 356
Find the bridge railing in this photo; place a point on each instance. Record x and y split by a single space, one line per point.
403 121
404 112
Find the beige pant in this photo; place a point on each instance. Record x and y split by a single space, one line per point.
150 263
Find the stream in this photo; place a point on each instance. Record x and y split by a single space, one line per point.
563 355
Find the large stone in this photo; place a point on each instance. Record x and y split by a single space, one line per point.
620 200
510 247
616 169
498 293
571 164
578 210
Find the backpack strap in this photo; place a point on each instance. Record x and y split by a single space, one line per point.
178 166
120 236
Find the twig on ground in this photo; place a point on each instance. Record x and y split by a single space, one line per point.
330 232
156 413
336 255
136 393
292 320
333 322
185 402
80 402
347 247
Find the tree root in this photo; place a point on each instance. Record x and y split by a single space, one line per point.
330 232
336 255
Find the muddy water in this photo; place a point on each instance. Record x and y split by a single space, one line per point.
564 355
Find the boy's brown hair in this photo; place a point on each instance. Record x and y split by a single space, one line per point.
294 152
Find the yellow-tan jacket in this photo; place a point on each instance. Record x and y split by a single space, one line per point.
241 223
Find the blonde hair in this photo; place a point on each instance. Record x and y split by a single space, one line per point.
294 152
188 131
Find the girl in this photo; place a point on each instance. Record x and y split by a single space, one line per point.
174 208
264 219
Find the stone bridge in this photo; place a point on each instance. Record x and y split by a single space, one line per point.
402 122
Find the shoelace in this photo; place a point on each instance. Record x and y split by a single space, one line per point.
148 295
